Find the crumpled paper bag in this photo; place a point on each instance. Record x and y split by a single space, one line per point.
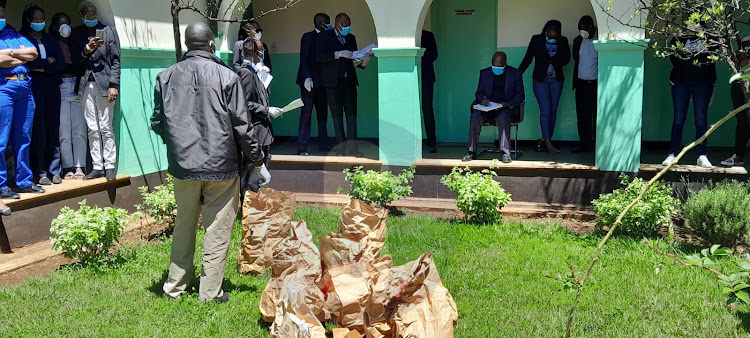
423 306
362 219
294 319
266 219
296 261
342 332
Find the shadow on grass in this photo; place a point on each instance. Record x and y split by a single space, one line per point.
103 264
157 287
744 317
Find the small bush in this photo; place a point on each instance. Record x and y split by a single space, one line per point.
378 188
88 233
160 204
655 209
720 214
478 195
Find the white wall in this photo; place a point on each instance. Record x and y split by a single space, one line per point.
148 23
517 21
283 30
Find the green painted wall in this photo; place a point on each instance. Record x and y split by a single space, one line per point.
140 151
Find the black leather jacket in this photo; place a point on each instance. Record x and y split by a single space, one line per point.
201 114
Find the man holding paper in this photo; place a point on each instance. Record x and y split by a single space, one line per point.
258 108
335 56
499 97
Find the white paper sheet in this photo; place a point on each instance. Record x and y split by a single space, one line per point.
491 107
360 55
265 78
293 105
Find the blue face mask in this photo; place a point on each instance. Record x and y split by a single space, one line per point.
2 24
551 40
329 27
345 31
38 27
90 23
498 70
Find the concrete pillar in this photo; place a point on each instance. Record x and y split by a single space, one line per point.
620 105
399 28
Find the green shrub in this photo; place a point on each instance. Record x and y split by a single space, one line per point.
160 204
88 233
478 195
720 214
378 188
655 209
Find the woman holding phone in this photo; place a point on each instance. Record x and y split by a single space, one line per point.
99 87
45 72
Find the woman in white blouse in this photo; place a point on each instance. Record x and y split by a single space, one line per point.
586 73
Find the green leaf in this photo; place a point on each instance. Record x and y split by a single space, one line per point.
745 265
723 252
741 287
743 296
714 247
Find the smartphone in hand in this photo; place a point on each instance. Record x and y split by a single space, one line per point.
100 33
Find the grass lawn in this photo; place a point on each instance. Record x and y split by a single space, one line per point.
496 275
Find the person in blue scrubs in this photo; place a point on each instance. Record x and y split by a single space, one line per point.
16 106
46 71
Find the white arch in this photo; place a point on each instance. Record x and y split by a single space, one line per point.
398 28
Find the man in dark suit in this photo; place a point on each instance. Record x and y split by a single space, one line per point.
334 53
428 87
313 93
503 85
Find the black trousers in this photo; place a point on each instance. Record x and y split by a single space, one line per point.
45 133
343 101
316 99
586 96
502 118
249 179
428 113
742 133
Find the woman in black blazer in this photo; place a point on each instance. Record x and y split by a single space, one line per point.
551 51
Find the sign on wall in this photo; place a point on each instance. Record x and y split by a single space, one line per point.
464 12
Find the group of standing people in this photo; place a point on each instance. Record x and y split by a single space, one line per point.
503 85
58 86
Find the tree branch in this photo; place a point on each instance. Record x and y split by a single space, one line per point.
678 259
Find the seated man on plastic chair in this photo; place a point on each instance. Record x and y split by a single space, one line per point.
499 97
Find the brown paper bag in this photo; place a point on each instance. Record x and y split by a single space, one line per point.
296 261
341 332
360 218
265 214
338 250
423 306
293 318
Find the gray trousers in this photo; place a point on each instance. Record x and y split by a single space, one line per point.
503 120
219 202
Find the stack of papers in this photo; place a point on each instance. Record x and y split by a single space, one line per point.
293 105
491 107
359 56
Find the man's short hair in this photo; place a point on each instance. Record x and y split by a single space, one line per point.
320 16
3 3
198 35
84 6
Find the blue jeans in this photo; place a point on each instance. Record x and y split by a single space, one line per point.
701 92
548 96
16 118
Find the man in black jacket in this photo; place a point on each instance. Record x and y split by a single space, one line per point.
200 113
334 53
99 87
258 108
313 93
428 87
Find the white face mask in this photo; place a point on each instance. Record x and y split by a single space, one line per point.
584 34
258 36
64 30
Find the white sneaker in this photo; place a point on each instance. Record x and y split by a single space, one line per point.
733 161
704 162
668 160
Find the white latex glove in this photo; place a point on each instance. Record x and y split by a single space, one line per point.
308 84
346 54
265 69
275 112
263 174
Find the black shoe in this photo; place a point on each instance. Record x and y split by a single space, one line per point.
303 153
57 179
324 149
33 189
7 194
94 174
540 146
224 297
45 181
111 174
469 156
433 149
